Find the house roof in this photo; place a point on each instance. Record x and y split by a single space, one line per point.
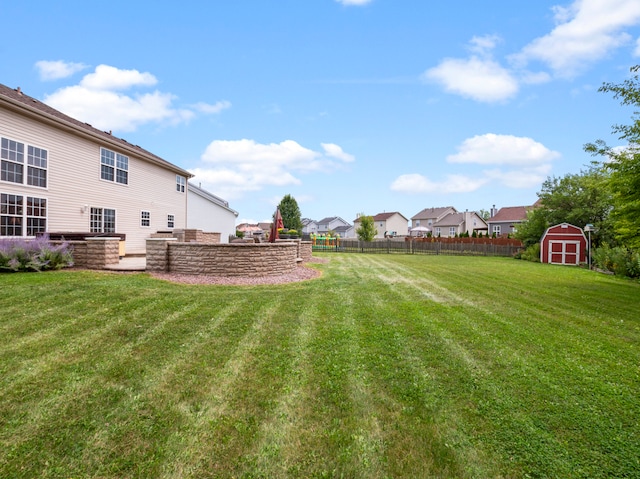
428 213
16 100
329 219
453 219
510 213
386 216
342 229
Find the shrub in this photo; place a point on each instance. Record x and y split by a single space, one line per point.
532 253
620 260
33 255
240 234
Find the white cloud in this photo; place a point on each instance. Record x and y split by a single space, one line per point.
585 32
528 163
98 100
107 77
212 109
234 167
416 183
492 149
54 70
354 2
481 79
334 151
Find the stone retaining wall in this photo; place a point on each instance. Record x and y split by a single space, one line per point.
229 259
189 236
94 253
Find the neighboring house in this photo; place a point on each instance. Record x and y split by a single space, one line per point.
455 224
428 216
210 213
309 226
345 231
506 220
59 174
387 224
330 224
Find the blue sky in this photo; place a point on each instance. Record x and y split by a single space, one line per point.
351 106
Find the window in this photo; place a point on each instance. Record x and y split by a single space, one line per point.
14 215
36 216
103 220
181 182
145 218
452 231
417 222
437 231
114 166
171 221
36 167
496 229
12 167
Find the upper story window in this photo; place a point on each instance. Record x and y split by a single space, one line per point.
181 183
114 166
12 168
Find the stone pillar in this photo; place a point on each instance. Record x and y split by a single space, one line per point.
158 254
102 251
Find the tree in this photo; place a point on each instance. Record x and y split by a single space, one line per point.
624 164
367 230
578 199
290 213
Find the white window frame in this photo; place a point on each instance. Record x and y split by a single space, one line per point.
27 213
114 167
452 231
181 184
102 220
497 229
28 158
145 218
437 231
171 221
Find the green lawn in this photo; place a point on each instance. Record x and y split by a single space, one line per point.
386 366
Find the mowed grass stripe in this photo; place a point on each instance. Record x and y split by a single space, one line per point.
357 374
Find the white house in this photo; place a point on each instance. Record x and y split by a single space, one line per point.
387 224
210 213
58 174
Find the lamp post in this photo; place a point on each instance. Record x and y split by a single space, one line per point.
589 228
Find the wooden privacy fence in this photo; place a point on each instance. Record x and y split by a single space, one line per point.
436 247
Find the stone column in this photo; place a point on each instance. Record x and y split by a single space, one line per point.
102 252
158 254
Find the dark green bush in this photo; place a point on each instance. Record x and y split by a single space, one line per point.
619 260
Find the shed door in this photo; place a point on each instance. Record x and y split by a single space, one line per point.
564 252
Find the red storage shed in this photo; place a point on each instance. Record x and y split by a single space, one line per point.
563 244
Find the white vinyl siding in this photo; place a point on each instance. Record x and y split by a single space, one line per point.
73 182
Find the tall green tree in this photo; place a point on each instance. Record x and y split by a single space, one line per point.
578 199
367 229
624 164
291 218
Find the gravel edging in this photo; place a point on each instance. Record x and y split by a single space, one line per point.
301 273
